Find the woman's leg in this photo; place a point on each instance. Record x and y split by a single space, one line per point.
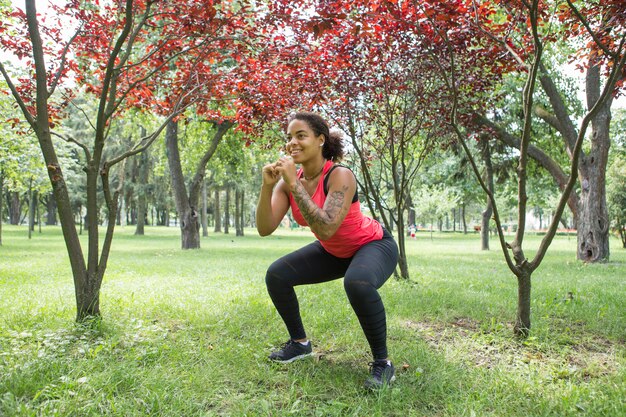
371 266
308 265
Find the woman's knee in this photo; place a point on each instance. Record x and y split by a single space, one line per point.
276 276
357 287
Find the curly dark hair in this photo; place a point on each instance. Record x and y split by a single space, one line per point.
333 145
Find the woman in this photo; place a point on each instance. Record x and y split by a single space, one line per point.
323 197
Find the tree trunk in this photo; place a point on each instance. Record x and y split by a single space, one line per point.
187 203
411 211
143 161
121 208
242 222
400 227
522 319
55 174
32 208
217 211
486 215
485 225
88 297
14 208
463 218
593 218
141 214
227 210
238 212
402 257
203 213
187 214
51 210
38 214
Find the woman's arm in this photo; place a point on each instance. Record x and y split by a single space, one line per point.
273 202
324 221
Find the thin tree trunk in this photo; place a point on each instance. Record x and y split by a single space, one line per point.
227 210
121 209
51 210
454 219
463 219
522 319
144 173
41 127
33 202
203 213
486 215
238 212
38 214
242 211
402 256
217 211
31 215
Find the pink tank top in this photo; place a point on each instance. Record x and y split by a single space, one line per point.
355 231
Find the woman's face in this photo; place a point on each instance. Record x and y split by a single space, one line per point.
302 143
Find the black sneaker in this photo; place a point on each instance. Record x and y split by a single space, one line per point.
381 374
292 351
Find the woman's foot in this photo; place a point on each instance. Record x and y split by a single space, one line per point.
292 351
382 373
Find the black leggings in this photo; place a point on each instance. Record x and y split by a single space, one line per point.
363 274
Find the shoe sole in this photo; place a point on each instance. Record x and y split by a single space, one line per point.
295 358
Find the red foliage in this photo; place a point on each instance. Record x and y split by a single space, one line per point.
234 60
202 53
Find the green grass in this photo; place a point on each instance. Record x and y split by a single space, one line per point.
187 333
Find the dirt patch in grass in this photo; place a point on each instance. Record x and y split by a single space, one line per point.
474 344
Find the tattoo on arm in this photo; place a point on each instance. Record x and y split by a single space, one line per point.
331 214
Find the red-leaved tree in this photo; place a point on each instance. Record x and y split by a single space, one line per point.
145 54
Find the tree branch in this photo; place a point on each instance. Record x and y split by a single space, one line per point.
565 125
70 139
194 188
143 143
29 117
84 114
59 72
597 40
522 175
534 152
109 77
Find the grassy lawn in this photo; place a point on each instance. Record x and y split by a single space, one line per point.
187 333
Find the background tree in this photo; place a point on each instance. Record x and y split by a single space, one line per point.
534 34
188 199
